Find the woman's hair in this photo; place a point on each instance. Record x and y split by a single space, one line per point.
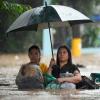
69 54
34 47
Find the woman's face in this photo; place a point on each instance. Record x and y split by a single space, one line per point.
34 56
63 55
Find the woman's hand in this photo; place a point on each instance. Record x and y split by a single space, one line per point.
74 79
60 80
52 62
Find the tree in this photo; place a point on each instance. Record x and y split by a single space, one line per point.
16 41
8 13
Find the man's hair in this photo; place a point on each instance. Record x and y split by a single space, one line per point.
34 47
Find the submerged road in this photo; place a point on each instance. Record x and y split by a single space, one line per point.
9 91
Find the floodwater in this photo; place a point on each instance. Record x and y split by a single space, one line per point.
9 91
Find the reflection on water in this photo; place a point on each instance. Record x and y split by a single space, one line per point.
9 91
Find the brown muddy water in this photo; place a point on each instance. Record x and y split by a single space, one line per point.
9 91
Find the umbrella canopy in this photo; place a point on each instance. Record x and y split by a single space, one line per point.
46 17
38 18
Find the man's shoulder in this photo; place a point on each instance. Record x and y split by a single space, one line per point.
25 64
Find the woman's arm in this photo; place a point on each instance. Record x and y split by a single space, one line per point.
74 79
52 62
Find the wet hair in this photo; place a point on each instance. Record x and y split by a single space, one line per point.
34 47
69 54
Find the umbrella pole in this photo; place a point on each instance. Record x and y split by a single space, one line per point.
50 33
50 40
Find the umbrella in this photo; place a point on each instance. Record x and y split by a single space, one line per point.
47 16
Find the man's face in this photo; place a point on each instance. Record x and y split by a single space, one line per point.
34 56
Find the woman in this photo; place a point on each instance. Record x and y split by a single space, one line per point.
66 73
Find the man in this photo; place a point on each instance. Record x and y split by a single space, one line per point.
24 82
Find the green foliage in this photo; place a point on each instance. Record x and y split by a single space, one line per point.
13 7
16 41
21 41
90 37
55 1
8 13
86 6
97 2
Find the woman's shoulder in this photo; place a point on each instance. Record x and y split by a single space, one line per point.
75 67
70 65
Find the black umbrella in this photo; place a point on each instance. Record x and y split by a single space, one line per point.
47 16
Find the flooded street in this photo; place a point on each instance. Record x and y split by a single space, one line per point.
9 91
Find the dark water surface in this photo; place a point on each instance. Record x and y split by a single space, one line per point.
9 91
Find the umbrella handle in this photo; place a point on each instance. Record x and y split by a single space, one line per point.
45 3
50 40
